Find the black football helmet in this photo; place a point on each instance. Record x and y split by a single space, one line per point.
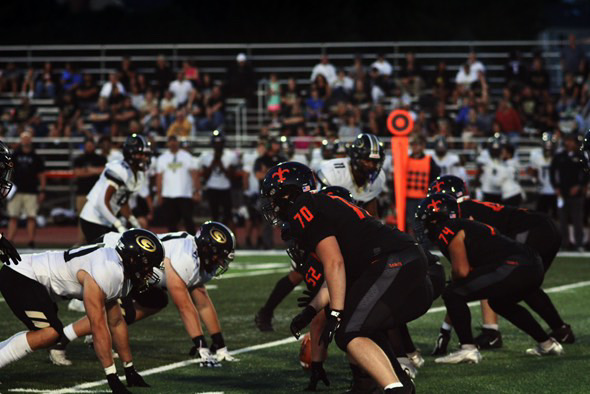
441 146
216 244
141 252
449 184
585 148
434 209
281 186
338 191
137 151
6 167
287 146
217 137
367 155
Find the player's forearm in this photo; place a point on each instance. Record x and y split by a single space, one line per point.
121 340
102 342
208 313
190 319
318 351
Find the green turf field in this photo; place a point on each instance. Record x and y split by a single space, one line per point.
161 341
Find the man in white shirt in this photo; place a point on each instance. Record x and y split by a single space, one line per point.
178 187
181 88
384 67
324 68
218 170
107 88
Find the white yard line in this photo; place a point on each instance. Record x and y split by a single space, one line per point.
267 345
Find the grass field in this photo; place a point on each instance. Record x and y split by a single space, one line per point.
161 341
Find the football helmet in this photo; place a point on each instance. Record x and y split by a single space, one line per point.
338 191
367 156
141 252
282 184
6 167
434 209
449 184
137 151
217 137
216 244
287 146
585 148
441 146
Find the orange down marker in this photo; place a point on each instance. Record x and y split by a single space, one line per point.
400 123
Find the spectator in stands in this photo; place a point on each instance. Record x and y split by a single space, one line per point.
377 84
323 88
154 122
28 83
441 83
529 107
410 76
350 129
439 120
571 55
273 95
484 119
87 169
45 83
569 93
70 79
290 97
383 66
207 86
30 182
126 72
24 112
475 66
539 78
107 89
465 77
149 103
125 115
342 87
191 73
137 97
548 117
87 92
582 73
314 105
324 68
241 80
218 171
515 71
162 75
168 104
181 88
177 185
100 117
181 127
508 119
360 96
570 181
214 109
11 76
358 71
69 109
38 126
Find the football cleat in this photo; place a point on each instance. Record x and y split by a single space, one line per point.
442 342
470 356
489 339
263 321
58 357
408 367
554 349
76 306
564 334
416 359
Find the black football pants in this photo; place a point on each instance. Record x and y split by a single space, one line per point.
503 285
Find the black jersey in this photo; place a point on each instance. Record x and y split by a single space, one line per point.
509 221
361 237
312 271
483 243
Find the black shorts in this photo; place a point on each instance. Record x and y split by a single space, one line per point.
93 231
141 207
393 290
545 239
29 301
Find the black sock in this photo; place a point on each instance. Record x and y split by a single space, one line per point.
62 344
217 340
540 302
520 317
460 316
282 289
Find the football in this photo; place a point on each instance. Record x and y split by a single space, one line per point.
305 352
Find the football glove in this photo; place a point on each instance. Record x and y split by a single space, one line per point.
8 251
222 354
302 320
117 387
206 358
317 373
134 379
332 325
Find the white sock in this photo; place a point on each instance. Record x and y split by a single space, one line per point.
468 346
14 348
446 326
69 332
491 326
393 386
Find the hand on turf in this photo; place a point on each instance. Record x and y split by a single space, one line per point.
332 325
207 359
222 354
302 320
8 251
317 373
117 387
134 379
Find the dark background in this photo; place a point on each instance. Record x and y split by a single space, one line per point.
170 21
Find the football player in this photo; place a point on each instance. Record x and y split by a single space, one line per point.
360 173
535 230
8 252
96 274
375 275
285 285
109 197
190 262
484 265
449 163
585 149
540 164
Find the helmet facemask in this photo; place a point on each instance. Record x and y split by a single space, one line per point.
5 180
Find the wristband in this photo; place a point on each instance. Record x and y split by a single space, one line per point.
336 313
127 365
110 370
134 222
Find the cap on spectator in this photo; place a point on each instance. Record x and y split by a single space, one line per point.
241 57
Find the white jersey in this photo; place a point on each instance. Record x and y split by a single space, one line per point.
181 249
542 165
447 163
491 176
338 172
248 159
57 271
510 185
218 180
119 175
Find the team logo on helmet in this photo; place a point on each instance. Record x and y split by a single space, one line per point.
434 205
218 236
280 173
146 244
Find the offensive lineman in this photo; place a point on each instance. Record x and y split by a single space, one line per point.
93 273
189 262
